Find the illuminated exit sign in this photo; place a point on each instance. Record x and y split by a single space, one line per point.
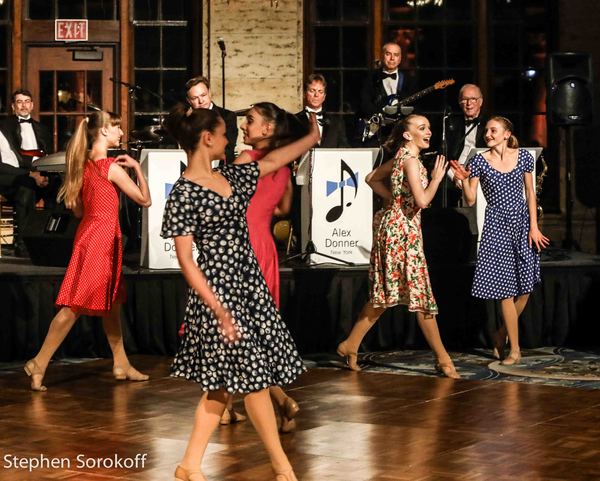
67 30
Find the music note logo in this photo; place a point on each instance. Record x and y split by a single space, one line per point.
352 181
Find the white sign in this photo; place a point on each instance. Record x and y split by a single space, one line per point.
481 203
162 168
337 206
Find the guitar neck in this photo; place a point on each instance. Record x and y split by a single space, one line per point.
416 96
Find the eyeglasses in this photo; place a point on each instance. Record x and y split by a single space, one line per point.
468 99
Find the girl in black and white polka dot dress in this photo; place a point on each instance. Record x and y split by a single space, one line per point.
235 340
508 264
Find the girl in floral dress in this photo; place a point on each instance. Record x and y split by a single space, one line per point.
398 272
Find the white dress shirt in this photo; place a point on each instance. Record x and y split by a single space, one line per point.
389 84
8 156
28 140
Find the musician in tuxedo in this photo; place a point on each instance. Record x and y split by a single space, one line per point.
464 132
19 182
384 82
199 97
333 130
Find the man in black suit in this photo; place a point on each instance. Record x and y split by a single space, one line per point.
332 127
20 137
464 132
199 97
383 87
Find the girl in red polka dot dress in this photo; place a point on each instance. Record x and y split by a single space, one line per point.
93 284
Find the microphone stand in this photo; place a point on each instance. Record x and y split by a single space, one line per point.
445 154
223 55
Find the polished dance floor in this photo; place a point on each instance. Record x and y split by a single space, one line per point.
352 426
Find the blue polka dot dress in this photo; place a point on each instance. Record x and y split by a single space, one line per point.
506 265
266 354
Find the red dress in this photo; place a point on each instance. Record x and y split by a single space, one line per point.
269 191
94 280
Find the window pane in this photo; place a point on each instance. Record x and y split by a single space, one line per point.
3 92
355 52
70 9
101 9
506 47
327 10
506 89
503 10
174 9
334 91
46 86
328 53
5 10
145 101
430 11
400 10
3 38
48 122
356 10
70 91
434 101
353 80
430 46
173 87
94 91
175 47
460 46
145 9
66 125
459 10
40 9
147 46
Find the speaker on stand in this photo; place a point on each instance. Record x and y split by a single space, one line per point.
569 103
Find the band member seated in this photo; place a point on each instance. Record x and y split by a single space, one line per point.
22 139
383 83
199 97
332 128
465 132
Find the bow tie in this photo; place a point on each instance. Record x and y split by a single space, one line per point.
469 122
385 75
318 114
25 121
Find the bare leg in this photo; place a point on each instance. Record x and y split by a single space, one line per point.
122 369
520 303
511 322
366 320
208 414
288 408
260 409
60 326
502 333
429 327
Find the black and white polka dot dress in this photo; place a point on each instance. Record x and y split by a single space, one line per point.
506 265
266 354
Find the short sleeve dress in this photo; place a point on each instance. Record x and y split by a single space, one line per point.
266 354
398 271
506 265
94 280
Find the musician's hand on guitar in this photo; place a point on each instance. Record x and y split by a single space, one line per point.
460 173
40 180
439 169
125 160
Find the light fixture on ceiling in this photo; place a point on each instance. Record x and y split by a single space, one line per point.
422 3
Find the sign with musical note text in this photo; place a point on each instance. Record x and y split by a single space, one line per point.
340 206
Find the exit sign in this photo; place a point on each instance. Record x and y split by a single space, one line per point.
69 30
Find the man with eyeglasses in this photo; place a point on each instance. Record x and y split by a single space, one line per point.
22 140
465 132
333 130
199 97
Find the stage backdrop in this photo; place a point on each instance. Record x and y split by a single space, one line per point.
337 205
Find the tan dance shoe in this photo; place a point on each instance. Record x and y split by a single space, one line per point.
128 373
512 359
447 369
182 474
351 357
230 416
288 411
500 341
33 370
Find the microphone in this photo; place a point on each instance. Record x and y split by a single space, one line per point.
221 43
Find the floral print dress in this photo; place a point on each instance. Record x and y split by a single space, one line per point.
398 272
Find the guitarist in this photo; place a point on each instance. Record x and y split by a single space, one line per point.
18 182
383 82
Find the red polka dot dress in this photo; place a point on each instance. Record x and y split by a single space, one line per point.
94 280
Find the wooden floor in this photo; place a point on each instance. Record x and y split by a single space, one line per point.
352 426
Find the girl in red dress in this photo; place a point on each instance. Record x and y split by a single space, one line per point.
93 283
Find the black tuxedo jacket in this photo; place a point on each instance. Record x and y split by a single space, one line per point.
231 131
12 131
373 96
334 130
456 135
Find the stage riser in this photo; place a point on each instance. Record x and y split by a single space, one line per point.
318 305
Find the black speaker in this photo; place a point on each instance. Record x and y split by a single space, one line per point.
48 236
569 88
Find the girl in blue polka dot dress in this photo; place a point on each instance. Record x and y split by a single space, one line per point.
508 263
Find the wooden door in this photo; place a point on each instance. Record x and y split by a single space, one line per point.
65 90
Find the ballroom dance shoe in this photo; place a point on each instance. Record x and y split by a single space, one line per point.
288 411
182 474
36 374
351 357
447 369
128 373
230 416
512 359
